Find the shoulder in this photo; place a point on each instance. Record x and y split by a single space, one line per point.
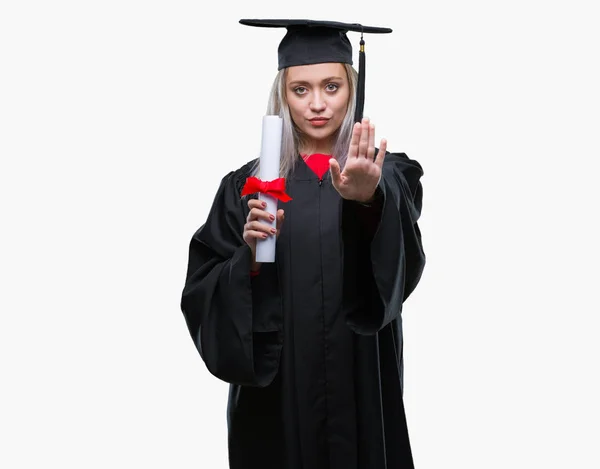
400 164
402 160
235 179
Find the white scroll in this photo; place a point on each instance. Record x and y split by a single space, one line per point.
270 155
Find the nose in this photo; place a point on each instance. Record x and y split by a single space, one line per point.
317 103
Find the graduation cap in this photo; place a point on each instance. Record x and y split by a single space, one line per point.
311 42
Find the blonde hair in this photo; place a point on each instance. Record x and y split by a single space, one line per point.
292 138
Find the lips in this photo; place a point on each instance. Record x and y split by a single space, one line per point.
318 121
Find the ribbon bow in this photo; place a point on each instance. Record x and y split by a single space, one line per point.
274 188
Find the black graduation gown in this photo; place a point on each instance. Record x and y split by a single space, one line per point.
312 346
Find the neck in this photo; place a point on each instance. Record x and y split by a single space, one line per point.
312 149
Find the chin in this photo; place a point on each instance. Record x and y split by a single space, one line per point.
318 134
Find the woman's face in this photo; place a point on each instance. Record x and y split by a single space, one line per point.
318 96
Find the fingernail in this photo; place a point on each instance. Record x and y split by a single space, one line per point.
264 204
271 217
273 230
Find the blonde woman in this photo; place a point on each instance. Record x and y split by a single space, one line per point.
312 343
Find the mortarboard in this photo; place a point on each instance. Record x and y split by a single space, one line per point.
311 42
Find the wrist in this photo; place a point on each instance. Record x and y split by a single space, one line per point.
371 200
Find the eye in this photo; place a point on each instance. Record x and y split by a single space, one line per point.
300 90
332 87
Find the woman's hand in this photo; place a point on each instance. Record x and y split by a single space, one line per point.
254 229
362 171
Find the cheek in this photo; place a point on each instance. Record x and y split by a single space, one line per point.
294 105
342 103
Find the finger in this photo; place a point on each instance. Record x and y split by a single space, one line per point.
381 152
253 234
371 147
258 214
364 138
353 151
258 226
336 177
256 203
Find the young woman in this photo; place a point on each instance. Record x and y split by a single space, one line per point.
312 343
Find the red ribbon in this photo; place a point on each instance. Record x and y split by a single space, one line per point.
275 188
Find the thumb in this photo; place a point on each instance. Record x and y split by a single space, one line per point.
336 177
280 218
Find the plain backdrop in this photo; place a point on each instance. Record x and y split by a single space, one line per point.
118 120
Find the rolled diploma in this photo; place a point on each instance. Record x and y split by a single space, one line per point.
270 155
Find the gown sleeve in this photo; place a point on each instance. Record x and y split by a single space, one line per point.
382 247
234 319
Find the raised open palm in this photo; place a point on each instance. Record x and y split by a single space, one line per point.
362 170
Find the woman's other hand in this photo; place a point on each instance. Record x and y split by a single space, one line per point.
362 171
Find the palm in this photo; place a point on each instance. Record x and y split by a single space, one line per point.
362 170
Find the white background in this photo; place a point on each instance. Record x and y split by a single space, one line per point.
118 120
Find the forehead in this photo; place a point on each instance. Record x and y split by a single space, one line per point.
315 72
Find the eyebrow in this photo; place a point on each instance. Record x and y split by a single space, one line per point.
304 82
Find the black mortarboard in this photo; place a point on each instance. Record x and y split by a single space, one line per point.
311 42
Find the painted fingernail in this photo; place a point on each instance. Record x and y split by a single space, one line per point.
271 217
273 230
264 204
